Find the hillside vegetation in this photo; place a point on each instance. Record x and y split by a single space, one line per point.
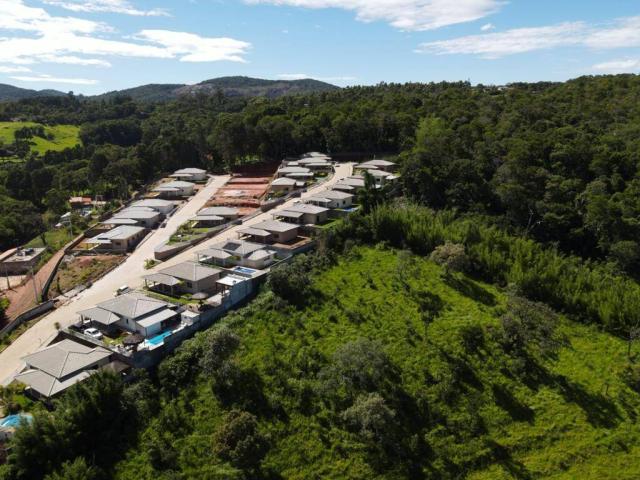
58 137
9 93
390 368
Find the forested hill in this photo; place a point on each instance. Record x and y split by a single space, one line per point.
232 86
9 92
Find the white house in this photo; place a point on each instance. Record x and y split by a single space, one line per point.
175 189
304 213
165 207
238 252
119 240
331 199
271 232
190 174
185 277
283 184
144 216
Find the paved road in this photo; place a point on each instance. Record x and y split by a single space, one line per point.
128 273
131 272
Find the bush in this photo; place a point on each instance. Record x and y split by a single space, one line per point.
239 441
451 256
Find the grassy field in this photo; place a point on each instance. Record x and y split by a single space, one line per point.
80 271
64 136
462 411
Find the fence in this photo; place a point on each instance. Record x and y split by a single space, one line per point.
26 316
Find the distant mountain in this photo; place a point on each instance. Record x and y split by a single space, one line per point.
9 92
232 86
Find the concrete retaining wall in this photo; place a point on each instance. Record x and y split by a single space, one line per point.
26 316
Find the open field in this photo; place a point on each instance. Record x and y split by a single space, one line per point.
64 136
81 270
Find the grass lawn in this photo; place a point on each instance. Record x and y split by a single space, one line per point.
64 136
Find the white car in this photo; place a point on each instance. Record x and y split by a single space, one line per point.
93 332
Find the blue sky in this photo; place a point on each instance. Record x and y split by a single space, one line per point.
92 46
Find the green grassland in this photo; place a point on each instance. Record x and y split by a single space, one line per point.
64 136
461 411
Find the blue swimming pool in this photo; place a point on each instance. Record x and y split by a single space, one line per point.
158 339
245 270
14 420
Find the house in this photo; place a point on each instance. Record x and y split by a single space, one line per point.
283 184
381 177
383 165
214 216
144 216
349 184
78 203
175 189
134 312
315 164
331 199
288 171
57 367
190 174
271 232
185 277
315 155
119 240
238 253
304 213
21 260
165 207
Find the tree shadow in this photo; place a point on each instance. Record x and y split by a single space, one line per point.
516 409
471 289
504 458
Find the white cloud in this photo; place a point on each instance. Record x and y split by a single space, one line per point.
622 33
70 40
404 14
486 27
519 40
106 6
5 69
618 66
50 79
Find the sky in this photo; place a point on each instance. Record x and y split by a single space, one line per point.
94 46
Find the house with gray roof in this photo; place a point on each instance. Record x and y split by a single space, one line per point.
214 216
165 207
380 164
185 277
134 312
304 213
175 189
121 239
331 199
271 231
57 367
144 216
190 174
238 253
300 172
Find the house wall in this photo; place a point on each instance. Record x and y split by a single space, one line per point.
283 237
315 218
259 264
204 285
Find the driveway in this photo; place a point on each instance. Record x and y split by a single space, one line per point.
131 271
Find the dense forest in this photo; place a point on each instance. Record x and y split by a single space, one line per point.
557 162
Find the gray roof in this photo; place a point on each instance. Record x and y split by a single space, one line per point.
190 271
235 247
288 214
219 211
100 315
306 208
152 203
207 218
132 305
313 160
275 226
157 317
334 195
48 385
190 171
119 233
163 279
378 173
261 254
378 163
255 232
283 181
137 213
294 170
299 175
177 184
119 221
65 358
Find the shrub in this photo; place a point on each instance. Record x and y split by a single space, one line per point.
239 441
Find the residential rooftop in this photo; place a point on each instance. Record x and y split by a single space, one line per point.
190 271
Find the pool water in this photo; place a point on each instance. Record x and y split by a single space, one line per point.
158 339
14 420
245 270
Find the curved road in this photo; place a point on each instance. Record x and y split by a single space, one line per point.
130 272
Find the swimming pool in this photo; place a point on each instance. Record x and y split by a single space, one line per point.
158 339
14 420
245 270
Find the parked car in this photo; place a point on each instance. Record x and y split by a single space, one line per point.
93 332
122 289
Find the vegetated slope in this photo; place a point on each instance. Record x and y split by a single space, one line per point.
62 136
9 92
232 86
387 367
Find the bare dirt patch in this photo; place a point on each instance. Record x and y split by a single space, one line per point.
75 271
